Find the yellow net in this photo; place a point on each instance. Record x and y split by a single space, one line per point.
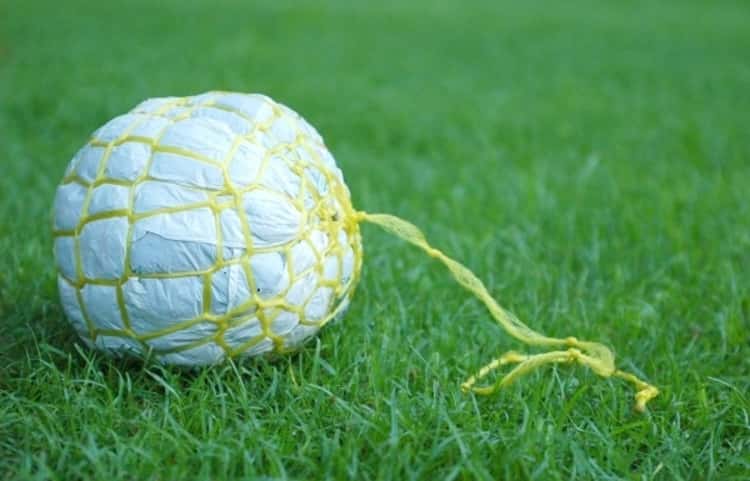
320 200
294 169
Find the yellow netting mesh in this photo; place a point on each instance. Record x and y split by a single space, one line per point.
330 212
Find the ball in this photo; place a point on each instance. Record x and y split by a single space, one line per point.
193 229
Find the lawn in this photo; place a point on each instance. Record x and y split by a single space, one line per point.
589 160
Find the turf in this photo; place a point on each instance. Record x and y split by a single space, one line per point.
589 160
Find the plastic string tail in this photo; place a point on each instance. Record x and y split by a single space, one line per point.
596 356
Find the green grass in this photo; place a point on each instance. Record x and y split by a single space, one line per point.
589 160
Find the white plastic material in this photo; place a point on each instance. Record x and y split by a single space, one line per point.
201 227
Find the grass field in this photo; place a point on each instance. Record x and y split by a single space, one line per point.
589 160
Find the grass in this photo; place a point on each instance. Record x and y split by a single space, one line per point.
589 160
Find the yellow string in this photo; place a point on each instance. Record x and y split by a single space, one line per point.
594 355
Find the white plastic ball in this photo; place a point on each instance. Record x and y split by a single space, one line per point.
197 228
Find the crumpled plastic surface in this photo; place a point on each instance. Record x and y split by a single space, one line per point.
202 227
